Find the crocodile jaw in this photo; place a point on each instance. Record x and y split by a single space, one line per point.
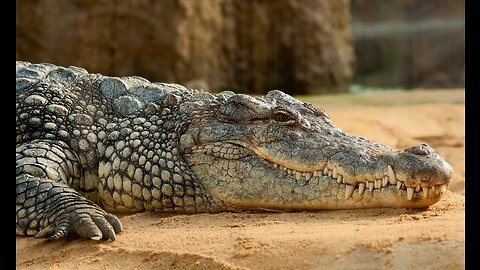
243 179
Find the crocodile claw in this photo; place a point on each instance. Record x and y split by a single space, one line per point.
91 222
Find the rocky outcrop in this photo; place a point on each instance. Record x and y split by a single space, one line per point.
251 46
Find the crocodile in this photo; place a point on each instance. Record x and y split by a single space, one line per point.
89 146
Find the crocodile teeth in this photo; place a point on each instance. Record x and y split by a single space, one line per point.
417 188
425 191
308 175
409 193
275 165
385 181
391 175
330 172
378 183
370 186
361 188
443 188
298 175
315 174
348 191
334 173
339 179
433 188
399 185
289 171
325 171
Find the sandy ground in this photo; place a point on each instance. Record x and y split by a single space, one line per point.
432 238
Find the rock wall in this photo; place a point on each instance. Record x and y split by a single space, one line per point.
243 45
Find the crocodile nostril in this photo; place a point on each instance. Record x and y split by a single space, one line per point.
421 149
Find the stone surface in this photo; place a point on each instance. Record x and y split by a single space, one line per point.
296 46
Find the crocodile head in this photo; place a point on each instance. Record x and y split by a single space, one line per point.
276 152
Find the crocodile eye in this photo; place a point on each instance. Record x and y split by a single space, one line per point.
283 117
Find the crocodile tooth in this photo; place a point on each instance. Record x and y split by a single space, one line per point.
443 188
385 181
399 185
325 171
378 183
275 165
339 179
361 188
392 181
369 178
289 171
370 186
315 174
308 175
334 173
284 168
409 193
425 191
417 188
433 188
391 175
330 173
298 175
348 191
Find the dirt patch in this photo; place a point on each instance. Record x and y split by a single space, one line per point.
401 238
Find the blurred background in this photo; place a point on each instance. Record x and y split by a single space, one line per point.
409 44
298 46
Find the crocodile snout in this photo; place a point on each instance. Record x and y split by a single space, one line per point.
420 165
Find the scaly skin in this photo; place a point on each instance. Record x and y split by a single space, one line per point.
88 144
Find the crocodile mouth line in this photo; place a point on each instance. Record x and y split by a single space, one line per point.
382 185
389 182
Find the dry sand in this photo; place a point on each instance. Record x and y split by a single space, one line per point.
432 238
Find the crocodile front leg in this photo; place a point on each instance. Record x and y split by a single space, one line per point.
46 206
